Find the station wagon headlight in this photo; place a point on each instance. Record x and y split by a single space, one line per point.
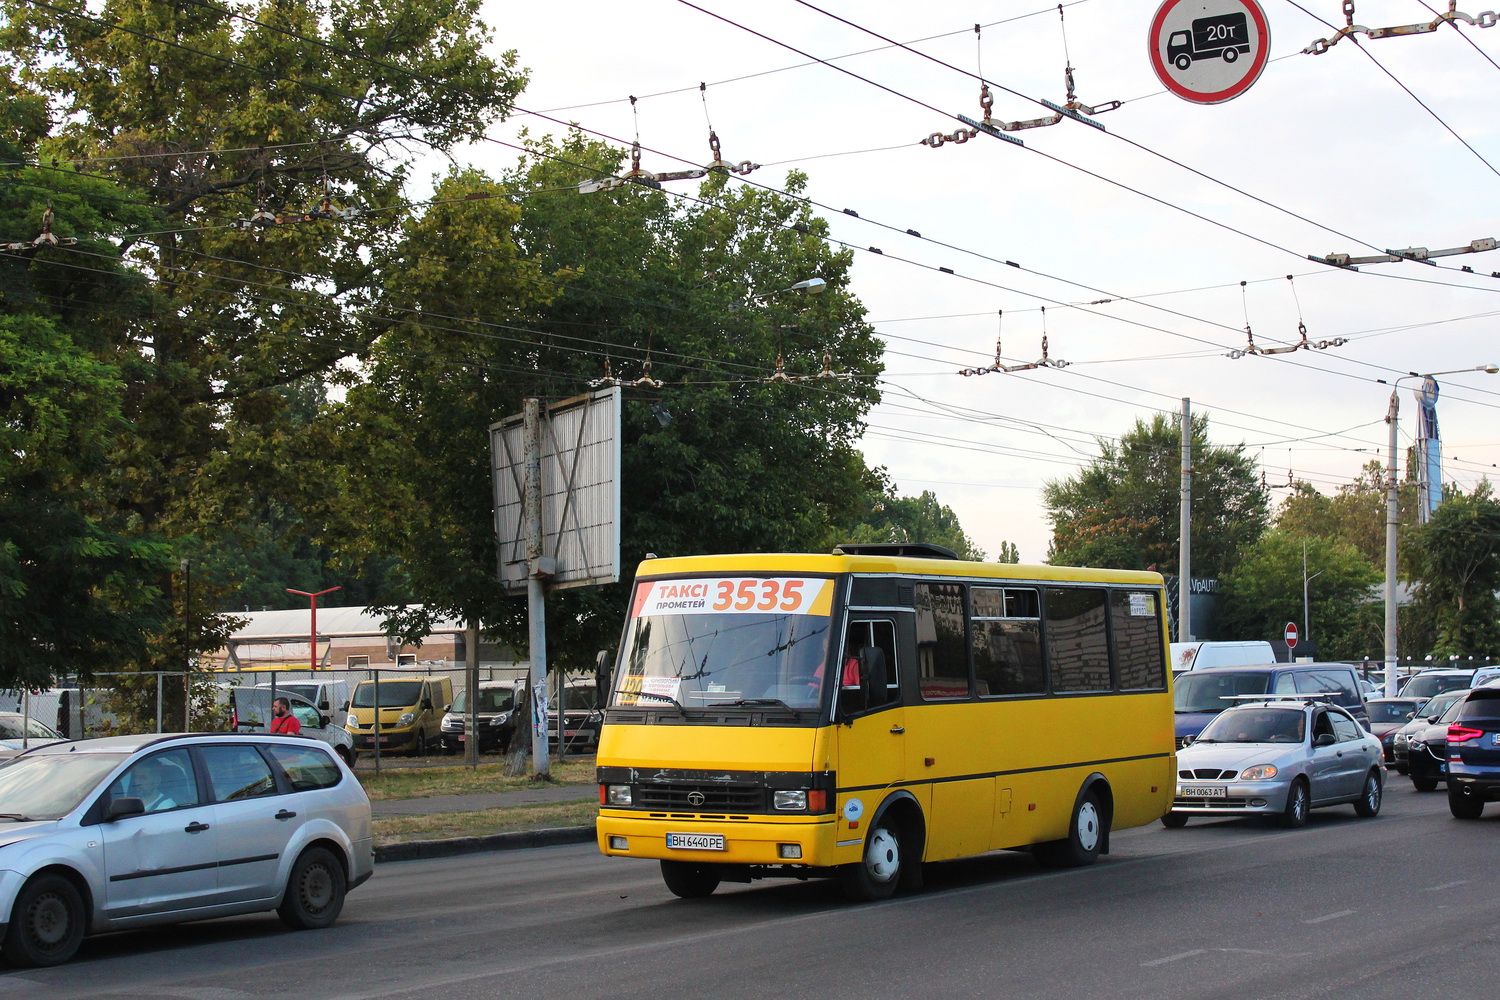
407 718
1260 772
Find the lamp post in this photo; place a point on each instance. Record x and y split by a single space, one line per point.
312 641
1391 517
1306 616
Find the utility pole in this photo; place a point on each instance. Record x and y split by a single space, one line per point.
537 571
1185 530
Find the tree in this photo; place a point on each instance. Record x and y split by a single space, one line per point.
1355 514
268 144
70 563
1264 591
1457 560
1121 511
1009 553
540 294
920 518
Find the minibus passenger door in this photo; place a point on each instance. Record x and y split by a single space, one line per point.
872 730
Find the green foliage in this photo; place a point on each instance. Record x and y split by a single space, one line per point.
1122 510
1264 591
1009 553
1457 558
916 519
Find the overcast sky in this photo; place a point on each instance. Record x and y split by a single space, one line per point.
1331 138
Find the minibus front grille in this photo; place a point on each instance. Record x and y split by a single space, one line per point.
701 797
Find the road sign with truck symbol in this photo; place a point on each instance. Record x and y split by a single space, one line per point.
1209 51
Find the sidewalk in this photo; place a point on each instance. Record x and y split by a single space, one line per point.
410 850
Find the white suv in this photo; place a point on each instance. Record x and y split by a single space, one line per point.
132 831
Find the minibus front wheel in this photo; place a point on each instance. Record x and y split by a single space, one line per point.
878 873
689 881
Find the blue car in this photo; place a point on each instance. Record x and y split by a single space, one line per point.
1199 695
1474 754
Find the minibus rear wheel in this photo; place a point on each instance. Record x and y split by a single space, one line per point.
688 880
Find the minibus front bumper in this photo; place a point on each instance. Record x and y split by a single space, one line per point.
761 840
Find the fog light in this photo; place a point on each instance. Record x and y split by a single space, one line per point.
618 795
1257 802
789 852
792 800
619 844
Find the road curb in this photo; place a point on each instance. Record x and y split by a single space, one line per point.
413 850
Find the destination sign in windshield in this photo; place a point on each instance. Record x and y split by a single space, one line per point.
787 595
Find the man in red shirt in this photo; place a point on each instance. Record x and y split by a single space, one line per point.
283 722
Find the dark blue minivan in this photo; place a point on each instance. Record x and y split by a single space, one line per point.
1199 695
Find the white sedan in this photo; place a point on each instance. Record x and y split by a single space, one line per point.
1280 757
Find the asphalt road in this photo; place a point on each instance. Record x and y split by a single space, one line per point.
1401 906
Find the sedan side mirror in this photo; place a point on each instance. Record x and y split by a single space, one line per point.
125 805
1324 740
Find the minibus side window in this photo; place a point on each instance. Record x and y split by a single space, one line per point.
855 692
1077 640
942 642
1136 639
1007 636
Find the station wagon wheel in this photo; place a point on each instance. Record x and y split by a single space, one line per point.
314 890
1295 813
1368 803
46 926
689 881
1174 821
1085 839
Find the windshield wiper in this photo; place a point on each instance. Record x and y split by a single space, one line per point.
754 701
18 817
661 697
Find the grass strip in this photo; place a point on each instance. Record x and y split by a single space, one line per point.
510 819
425 782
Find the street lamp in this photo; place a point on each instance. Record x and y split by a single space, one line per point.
1390 517
812 286
1306 615
312 641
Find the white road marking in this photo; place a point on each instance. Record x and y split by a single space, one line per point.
1448 885
1328 916
1174 958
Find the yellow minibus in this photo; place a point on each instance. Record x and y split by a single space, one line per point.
859 713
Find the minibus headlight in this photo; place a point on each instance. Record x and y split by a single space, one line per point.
618 795
791 800
352 722
407 718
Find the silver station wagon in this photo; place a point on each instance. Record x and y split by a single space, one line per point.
132 831
1279 757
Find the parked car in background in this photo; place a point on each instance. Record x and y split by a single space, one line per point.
1433 682
1484 675
1427 749
1474 753
1429 713
1203 655
582 717
19 733
1281 758
1387 715
501 709
411 713
329 696
1199 695
250 712
140 831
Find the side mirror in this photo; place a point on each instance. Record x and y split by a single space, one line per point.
1410 716
1187 741
447 708
427 704
344 707
1324 740
325 721
125 805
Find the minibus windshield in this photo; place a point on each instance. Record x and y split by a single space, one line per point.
697 661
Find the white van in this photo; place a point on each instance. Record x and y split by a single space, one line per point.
1199 655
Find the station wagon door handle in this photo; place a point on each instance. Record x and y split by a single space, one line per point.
898 730
286 814
195 827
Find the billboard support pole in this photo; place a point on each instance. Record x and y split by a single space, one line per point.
536 606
